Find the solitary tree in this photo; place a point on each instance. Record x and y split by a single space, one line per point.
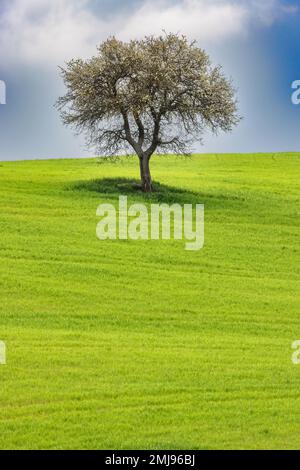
152 95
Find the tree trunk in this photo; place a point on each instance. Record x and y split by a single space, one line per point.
145 174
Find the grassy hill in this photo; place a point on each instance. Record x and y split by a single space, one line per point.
123 344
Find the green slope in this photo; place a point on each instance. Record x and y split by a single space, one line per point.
142 344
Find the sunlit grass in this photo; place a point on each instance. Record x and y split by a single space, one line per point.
126 345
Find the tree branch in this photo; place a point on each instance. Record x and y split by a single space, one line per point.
140 128
128 134
155 138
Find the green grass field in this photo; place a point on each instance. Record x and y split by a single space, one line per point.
143 345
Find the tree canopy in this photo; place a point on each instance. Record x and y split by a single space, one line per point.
155 95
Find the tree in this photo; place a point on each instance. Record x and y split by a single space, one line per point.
152 95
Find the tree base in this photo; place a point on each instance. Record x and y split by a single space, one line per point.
146 179
147 187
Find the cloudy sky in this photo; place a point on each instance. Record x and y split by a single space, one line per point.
256 42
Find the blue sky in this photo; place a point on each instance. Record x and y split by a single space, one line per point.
256 42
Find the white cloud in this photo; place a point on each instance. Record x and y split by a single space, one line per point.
197 18
51 31
46 31
268 11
